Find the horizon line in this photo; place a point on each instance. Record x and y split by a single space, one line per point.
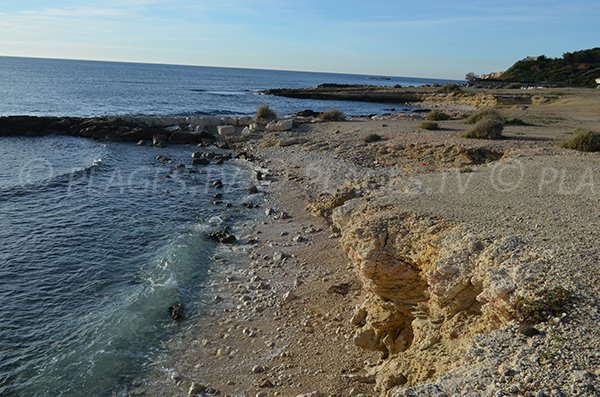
224 67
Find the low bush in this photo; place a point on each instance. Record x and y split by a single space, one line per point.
484 114
265 113
333 115
436 115
485 129
448 88
516 121
551 303
429 125
372 138
583 140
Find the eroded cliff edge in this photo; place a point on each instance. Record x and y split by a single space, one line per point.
431 286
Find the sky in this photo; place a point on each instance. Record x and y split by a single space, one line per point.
417 38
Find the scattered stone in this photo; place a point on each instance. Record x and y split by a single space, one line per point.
289 297
252 189
141 142
257 369
279 256
300 239
311 394
217 184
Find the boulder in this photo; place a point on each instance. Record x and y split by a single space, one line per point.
282 125
226 130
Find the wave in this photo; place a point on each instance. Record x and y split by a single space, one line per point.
44 185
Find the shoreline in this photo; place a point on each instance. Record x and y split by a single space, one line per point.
322 306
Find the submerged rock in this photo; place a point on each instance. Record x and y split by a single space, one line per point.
177 311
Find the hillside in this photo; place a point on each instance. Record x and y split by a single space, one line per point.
579 68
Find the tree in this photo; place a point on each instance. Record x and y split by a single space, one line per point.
471 77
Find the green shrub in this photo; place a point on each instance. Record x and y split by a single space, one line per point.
583 140
436 115
372 138
485 129
551 303
429 125
265 113
448 88
333 115
516 121
484 114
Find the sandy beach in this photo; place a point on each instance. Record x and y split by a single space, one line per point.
397 267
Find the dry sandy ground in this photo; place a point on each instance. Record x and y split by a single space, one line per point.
279 321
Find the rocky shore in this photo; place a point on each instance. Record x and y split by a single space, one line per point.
450 93
417 264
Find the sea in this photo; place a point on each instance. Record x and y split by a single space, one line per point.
98 239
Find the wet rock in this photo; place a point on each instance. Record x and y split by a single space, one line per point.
164 159
159 141
252 189
223 237
177 311
141 142
217 184
201 161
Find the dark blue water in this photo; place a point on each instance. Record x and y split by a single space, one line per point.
97 241
85 88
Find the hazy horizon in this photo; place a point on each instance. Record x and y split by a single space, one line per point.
430 39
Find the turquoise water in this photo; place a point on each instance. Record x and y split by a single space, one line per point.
98 239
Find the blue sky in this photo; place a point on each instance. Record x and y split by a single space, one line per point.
421 38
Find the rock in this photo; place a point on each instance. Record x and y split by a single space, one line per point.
226 130
173 128
279 126
341 289
252 189
190 138
279 256
201 161
289 297
223 237
141 142
311 394
300 239
308 113
262 394
196 388
257 369
159 141
359 318
164 159
247 132
177 311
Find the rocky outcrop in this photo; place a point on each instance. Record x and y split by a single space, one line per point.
113 129
430 287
